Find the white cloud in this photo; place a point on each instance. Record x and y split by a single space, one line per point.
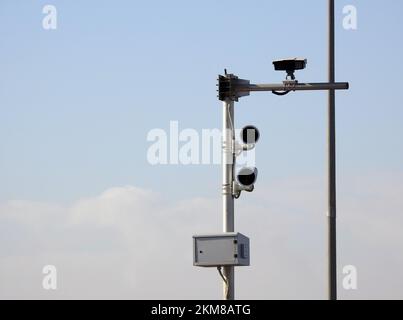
133 243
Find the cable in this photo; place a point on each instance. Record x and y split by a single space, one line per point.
222 275
232 144
230 118
225 281
278 93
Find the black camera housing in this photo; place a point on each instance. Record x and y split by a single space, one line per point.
250 135
290 65
247 177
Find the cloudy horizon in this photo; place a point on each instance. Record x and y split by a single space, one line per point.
131 243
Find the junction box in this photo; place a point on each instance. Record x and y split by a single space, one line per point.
223 249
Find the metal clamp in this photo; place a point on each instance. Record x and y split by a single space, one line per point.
228 87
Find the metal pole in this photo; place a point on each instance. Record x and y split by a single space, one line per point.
332 246
228 198
294 87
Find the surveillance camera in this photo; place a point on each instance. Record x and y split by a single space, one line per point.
247 177
290 65
250 135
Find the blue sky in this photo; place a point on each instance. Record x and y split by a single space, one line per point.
76 103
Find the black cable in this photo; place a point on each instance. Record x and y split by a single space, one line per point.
278 93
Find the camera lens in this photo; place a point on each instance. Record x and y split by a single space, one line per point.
250 135
247 176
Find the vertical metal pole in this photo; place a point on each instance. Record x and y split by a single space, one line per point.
332 247
228 198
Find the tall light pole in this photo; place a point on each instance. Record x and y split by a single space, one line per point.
331 198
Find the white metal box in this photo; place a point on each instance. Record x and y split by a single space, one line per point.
224 249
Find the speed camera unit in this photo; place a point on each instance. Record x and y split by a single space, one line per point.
290 66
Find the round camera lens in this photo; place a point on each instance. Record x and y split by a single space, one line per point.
250 135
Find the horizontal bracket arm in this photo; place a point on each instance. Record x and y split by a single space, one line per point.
294 87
